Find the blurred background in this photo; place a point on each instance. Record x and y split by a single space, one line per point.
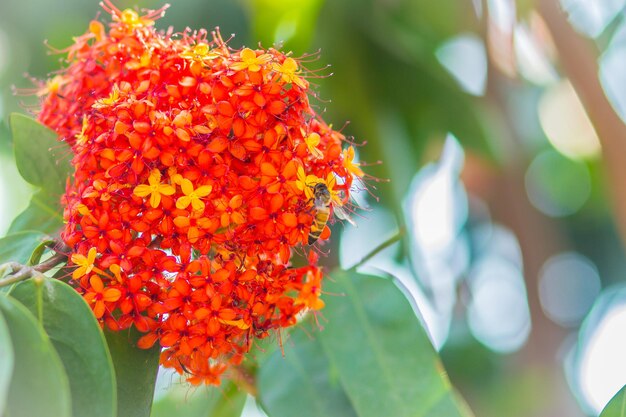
500 127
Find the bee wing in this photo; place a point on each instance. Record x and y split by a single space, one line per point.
341 213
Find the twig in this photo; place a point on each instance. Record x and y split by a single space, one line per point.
395 238
20 273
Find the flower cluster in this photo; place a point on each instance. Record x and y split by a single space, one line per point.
195 166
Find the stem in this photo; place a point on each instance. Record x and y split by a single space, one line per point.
244 379
395 238
50 263
20 273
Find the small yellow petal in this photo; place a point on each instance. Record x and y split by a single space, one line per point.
204 190
166 189
186 186
155 177
142 190
197 205
91 255
183 202
155 199
78 272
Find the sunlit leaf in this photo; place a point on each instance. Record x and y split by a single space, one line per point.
78 339
290 22
39 386
617 406
372 347
41 159
6 364
19 246
136 371
185 401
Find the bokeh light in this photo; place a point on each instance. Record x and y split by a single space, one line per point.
498 314
465 58
557 186
568 285
566 123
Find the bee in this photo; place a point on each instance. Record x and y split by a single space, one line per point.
322 202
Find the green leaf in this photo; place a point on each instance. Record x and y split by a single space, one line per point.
395 358
617 406
136 371
290 22
6 364
302 380
78 339
19 246
182 400
44 213
35 256
41 158
372 358
39 386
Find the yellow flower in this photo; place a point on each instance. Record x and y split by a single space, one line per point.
84 263
175 177
200 52
108 101
306 182
349 165
155 189
311 143
132 20
81 138
250 61
288 70
192 196
52 86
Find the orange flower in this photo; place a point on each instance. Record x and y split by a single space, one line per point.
98 295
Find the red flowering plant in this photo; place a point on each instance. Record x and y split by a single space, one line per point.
195 175
196 184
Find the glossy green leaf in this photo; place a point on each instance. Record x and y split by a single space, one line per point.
19 246
395 358
35 256
617 406
183 400
302 380
39 386
136 371
44 213
6 364
372 359
41 159
78 339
